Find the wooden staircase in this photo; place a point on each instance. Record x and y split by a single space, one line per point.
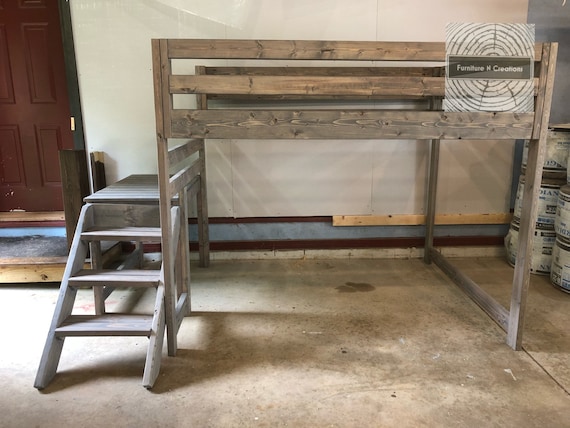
104 223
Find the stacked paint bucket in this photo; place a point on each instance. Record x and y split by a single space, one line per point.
560 270
554 177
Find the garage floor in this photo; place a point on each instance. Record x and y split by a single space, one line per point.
304 343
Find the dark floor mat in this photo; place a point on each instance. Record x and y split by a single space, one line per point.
33 246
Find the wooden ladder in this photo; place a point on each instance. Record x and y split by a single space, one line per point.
110 223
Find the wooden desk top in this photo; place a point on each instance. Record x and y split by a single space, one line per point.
138 188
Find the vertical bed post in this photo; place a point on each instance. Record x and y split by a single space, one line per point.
431 198
163 103
434 104
536 154
202 196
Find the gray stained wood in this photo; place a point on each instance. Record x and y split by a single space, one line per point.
246 94
137 188
348 124
106 325
309 50
98 223
146 234
134 278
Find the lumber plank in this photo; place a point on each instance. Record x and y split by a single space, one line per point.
183 177
308 50
393 86
124 277
180 153
24 216
150 234
21 273
420 219
349 124
120 215
106 325
305 50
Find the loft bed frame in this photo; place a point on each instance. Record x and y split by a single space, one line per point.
182 166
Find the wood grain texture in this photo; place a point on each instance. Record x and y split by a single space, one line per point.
24 216
529 210
106 325
134 278
180 153
308 50
348 124
147 234
29 271
391 86
420 219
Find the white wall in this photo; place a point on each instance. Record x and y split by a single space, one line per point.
282 178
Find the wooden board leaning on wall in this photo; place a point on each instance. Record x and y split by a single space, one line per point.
420 219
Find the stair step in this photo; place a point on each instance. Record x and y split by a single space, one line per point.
116 278
150 234
106 325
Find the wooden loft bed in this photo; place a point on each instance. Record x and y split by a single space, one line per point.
389 77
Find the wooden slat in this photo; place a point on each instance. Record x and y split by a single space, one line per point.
181 179
20 272
496 311
180 153
124 277
309 85
308 50
349 124
194 186
24 216
139 188
106 325
150 234
420 219
305 49
120 215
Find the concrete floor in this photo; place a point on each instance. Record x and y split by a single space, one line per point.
304 343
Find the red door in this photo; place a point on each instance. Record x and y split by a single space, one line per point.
34 106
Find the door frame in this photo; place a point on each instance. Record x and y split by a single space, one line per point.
71 73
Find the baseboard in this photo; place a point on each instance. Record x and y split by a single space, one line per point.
357 253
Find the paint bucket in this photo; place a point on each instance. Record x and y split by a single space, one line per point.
560 270
547 201
541 252
562 220
557 150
